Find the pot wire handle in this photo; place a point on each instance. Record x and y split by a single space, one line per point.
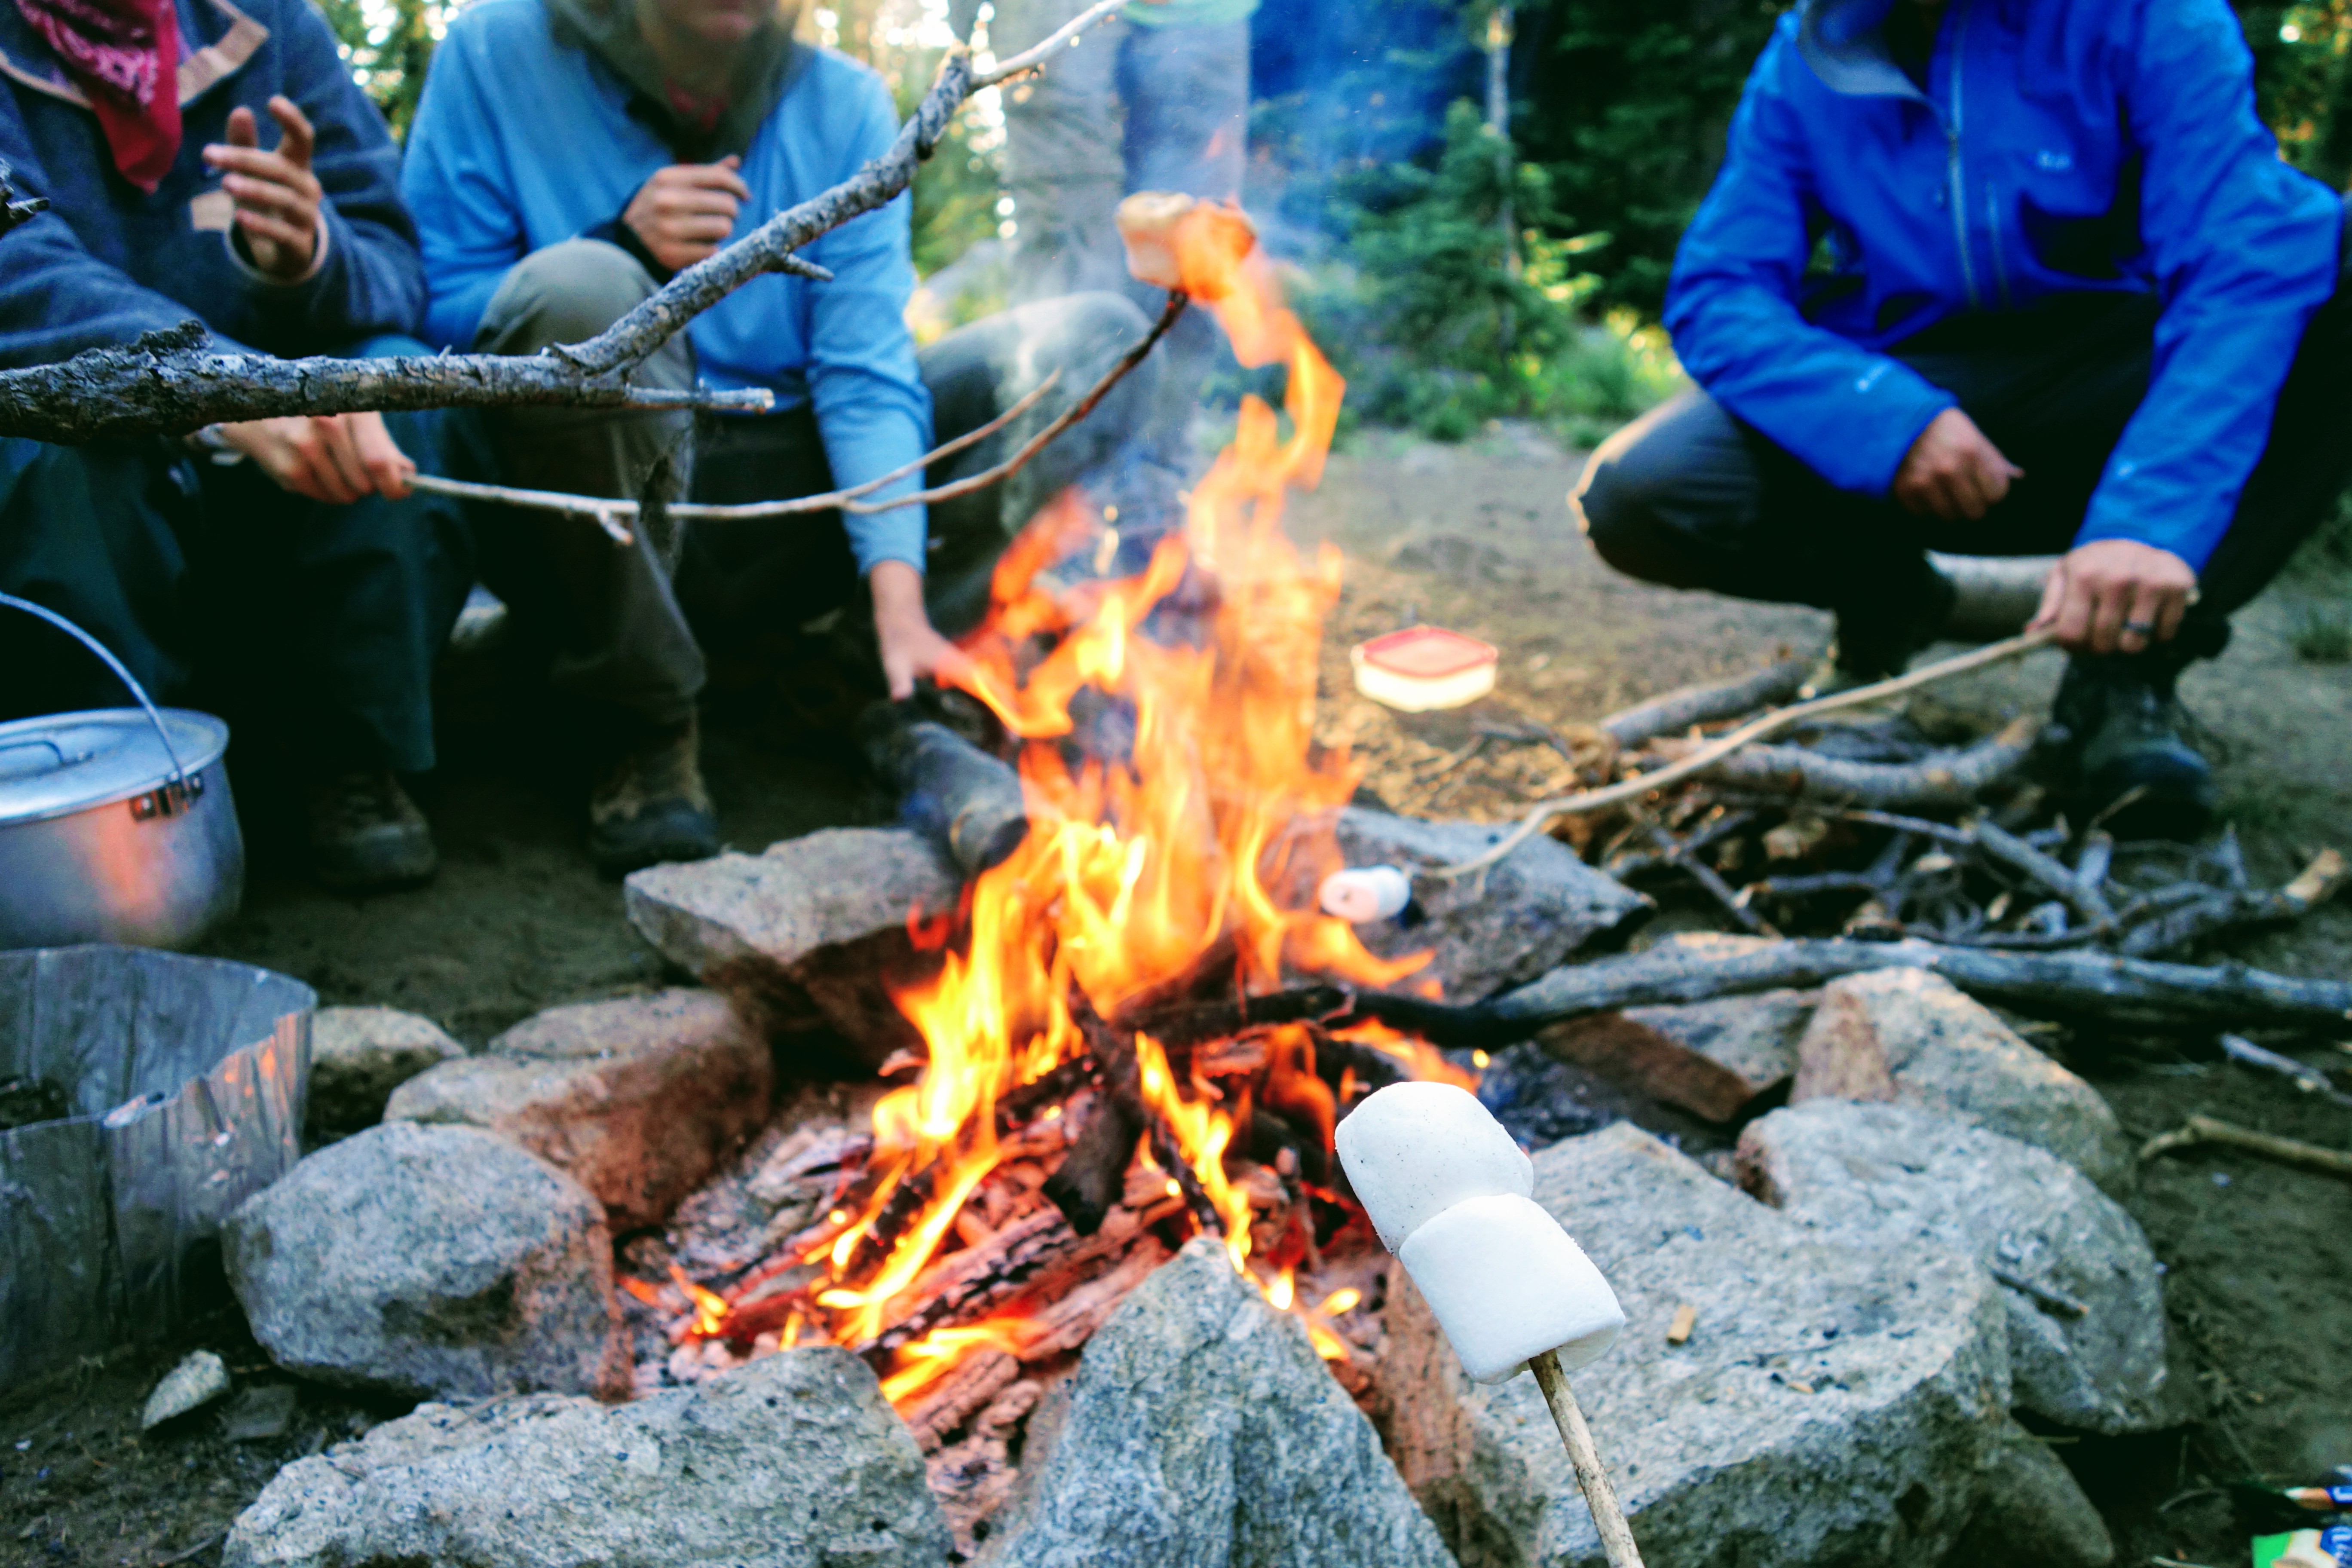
179 775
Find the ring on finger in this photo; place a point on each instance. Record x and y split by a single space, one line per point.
2140 628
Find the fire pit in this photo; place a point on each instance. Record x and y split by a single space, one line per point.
1088 1095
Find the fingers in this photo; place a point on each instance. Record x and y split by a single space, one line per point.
296 241
2111 601
268 197
298 140
242 131
272 167
2053 599
2170 612
719 176
387 467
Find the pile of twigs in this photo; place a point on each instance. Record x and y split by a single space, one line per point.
1874 828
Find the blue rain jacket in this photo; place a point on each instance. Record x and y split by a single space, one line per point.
2059 146
522 142
108 261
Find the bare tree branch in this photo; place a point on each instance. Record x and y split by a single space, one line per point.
609 512
1061 37
167 383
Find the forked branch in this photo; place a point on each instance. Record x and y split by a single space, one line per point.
172 382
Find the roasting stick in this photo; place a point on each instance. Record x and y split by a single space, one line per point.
1616 1535
1449 1193
1715 751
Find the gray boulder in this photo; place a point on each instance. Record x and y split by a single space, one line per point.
1497 930
1946 1051
359 1055
1830 1406
2085 1301
810 935
793 1462
639 1099
1712 1058
2033 1515
1202 1432
429 1262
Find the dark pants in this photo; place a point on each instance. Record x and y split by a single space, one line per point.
1690 497
307 625
627 627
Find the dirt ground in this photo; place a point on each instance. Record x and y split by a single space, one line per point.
1475 537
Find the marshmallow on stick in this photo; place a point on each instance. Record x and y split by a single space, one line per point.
1162 229
1450 1193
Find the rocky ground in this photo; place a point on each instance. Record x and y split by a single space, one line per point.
1474 537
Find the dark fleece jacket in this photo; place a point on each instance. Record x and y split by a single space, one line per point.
108 262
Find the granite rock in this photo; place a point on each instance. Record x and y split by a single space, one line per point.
1881 1175
811 935
1497 929
359 1055
429 1262
793 1462
1832 1407
2034 1514
640 1098
1949 1052
1201 1431
1713 1058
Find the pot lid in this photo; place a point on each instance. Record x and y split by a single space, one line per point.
59 763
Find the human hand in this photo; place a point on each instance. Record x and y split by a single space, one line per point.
2115 595
911 648
1952 471
687 211
336 457
277 195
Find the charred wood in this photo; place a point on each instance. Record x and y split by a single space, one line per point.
963 799
2123 992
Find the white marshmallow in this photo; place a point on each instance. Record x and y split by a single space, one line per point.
1364 893
1507 1283
1413 1149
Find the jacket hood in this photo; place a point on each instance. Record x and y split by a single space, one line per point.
764 68
1844 42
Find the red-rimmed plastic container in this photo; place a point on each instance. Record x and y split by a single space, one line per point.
1423 668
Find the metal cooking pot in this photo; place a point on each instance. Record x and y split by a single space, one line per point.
115 825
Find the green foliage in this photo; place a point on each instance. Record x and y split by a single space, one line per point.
388 43
1435 328
2325 635
1625 104
2303 81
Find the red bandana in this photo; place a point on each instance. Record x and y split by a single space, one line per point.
125 57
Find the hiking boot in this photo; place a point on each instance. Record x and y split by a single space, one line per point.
650 805
2116 734
366 835
1873 646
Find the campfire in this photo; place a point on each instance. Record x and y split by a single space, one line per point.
1084 1101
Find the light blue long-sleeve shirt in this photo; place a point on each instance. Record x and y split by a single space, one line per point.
522 142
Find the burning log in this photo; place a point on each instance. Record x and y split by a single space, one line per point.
963 799
1094 1173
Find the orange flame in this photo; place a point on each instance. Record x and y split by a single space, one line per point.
1135 870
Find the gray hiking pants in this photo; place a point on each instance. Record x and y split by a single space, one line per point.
1159 109
628 626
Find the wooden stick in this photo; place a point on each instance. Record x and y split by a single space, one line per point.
1616 1535
2229 1134
1757 730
